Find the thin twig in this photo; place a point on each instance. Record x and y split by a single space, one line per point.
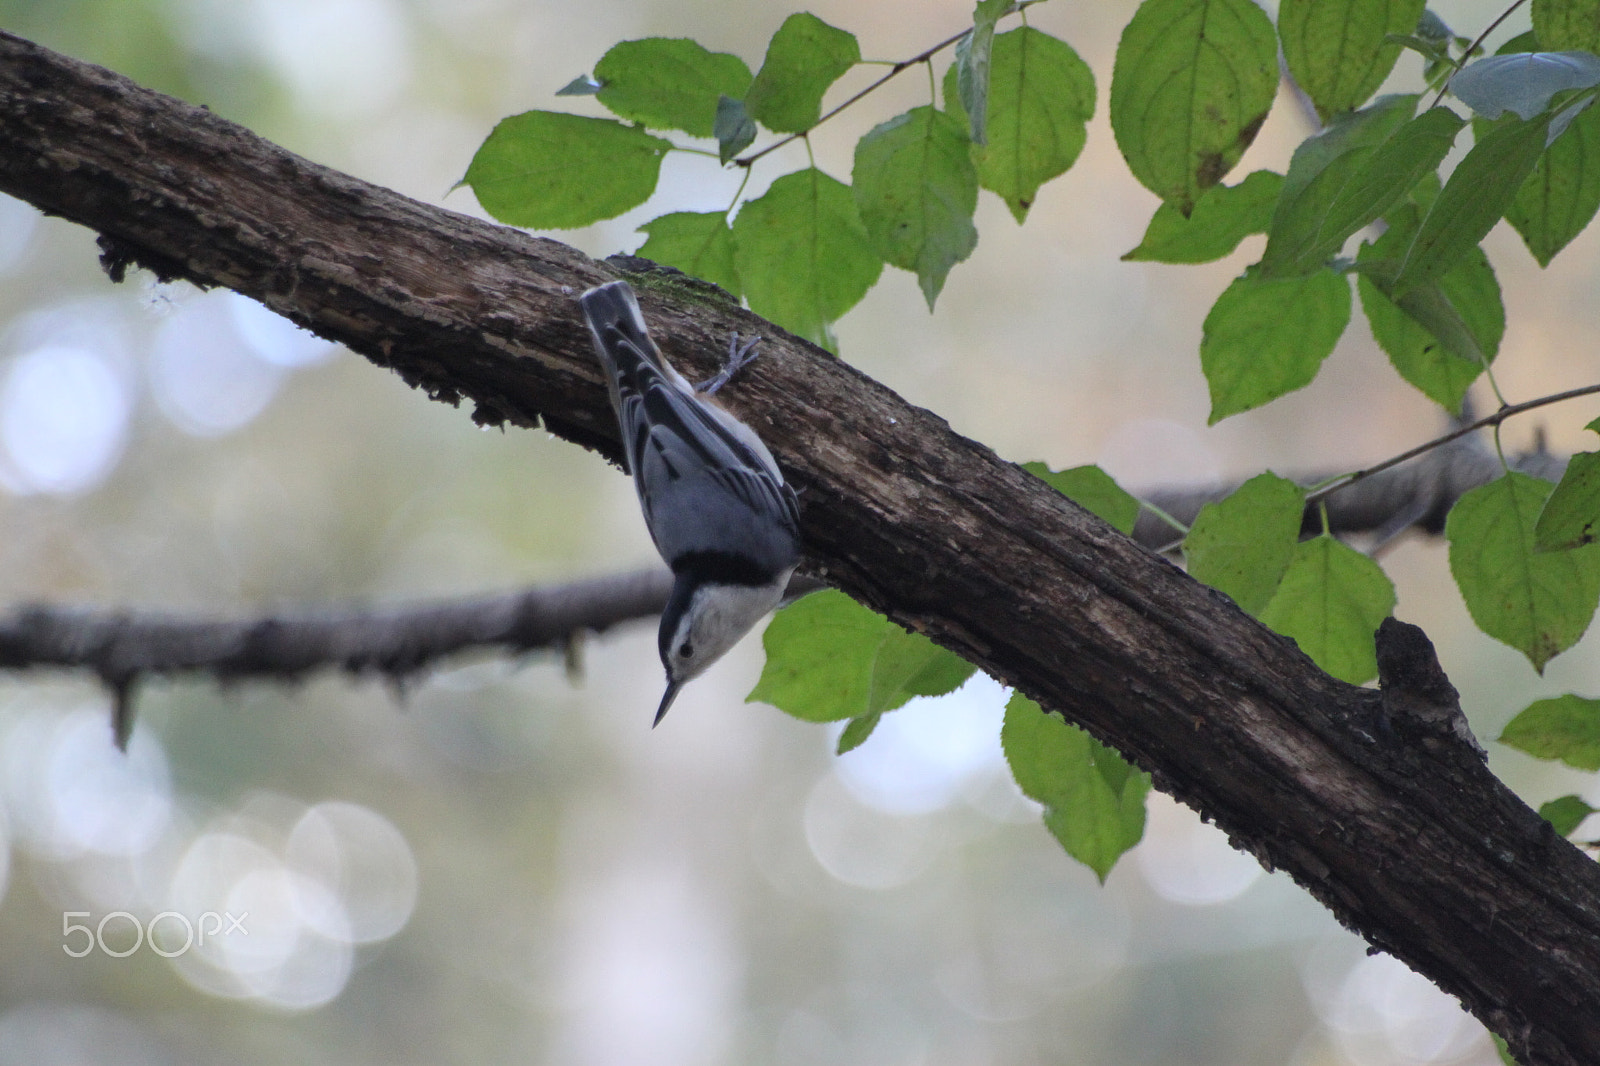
745 161
1483 423
923 57
1474 46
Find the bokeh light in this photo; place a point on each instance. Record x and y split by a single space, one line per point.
18 223
63 420
1187 861
205 377
363 867
268 902
921 757
293 890
862 846
5 850
343 58
648 974
1385 1014
273 338
70 791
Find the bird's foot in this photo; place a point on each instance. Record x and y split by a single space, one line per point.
739 356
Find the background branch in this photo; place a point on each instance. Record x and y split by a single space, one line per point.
394 642
1416 494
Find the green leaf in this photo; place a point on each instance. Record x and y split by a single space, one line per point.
1338 50
547 170
972 66
1223 216
1565 814
1527 41
1436 39
1192 84
1441 367
669 83
805 56
1384 177
1242 545
916 188
1567 24
1093 799
1431 40
1424 193
1267 337
1566 728
734 129
1331 601
909 664
829 658
1416 352
1523 82
1561 195
1094 490
1479 191
1538 602
1041 98
856 732
803 255
1367 128
821 651
696 243
1571 517
1436 310
1347 178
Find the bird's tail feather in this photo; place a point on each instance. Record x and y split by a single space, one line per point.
613 314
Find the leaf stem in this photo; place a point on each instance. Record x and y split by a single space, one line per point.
1505 412
735 201
1488 373
1182 530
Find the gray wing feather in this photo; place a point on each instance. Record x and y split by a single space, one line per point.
705 481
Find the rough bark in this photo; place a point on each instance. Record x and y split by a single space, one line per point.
1396 826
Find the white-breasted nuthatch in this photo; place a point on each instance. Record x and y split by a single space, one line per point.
713 498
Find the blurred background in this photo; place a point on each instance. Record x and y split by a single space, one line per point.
507 864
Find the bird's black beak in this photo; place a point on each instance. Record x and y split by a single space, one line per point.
666 701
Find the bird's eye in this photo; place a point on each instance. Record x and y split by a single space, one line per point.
685 650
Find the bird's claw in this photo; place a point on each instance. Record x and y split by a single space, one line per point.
739 356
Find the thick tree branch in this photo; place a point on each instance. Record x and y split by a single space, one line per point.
1414 844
